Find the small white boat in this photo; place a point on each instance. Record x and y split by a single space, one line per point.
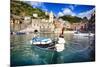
83 34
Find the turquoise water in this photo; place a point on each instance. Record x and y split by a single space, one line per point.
77 49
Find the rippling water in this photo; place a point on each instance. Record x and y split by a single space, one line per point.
77 49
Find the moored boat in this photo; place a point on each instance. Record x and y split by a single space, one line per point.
84 34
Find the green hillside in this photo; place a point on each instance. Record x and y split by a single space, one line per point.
71 19
21 8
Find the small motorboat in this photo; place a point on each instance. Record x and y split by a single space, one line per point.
47 43
56 44
84 34
20 33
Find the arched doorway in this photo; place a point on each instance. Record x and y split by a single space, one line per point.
35 31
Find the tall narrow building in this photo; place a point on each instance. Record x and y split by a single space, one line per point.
51 17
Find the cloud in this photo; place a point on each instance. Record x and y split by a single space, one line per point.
86 13
35 4
66 11
60 14
71 7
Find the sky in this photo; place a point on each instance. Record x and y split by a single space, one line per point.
60 9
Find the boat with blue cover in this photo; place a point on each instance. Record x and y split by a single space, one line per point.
43 42
47 43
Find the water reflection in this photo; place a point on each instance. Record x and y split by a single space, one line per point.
77 49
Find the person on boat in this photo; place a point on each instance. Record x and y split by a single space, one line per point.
62 33
60 45
61 36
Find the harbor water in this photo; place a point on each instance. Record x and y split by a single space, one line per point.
77 49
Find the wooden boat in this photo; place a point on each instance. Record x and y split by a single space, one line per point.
47 43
